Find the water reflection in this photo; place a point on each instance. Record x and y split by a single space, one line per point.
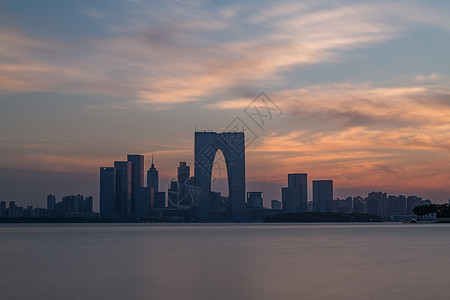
224 261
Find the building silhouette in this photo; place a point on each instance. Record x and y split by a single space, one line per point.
13 210
377 204
295 196
122 196
359 205
153 177
173 195
218 206
343 205
107 192
183 175
74 206
51 201
396 206
323 195
232 145
159 198
184 172
254 199
122 191
137 177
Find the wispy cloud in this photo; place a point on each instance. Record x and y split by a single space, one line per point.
425 78
187 53
90 11
353 105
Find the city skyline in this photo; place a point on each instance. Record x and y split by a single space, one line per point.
124 196
363 88
219 183
108 174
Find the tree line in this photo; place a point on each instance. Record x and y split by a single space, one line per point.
441 210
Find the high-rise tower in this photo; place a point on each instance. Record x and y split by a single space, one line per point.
107 192
122 199
137 176
51 202
297 196
323 195
152 177
184 172
232 145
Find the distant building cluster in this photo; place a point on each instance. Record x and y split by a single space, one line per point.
389 208
123 194
70 207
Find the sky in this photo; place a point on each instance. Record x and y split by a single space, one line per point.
361 91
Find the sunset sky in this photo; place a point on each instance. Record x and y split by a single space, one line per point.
363 87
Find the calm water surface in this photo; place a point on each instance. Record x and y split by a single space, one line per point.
224 261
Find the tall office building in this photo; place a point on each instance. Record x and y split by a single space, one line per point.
323 195
107 192
159 198
137 176
51 201
152 178
297 193
122 199
184 172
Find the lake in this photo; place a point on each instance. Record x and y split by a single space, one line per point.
225 261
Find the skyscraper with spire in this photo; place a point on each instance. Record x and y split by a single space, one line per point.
152 177
159 198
